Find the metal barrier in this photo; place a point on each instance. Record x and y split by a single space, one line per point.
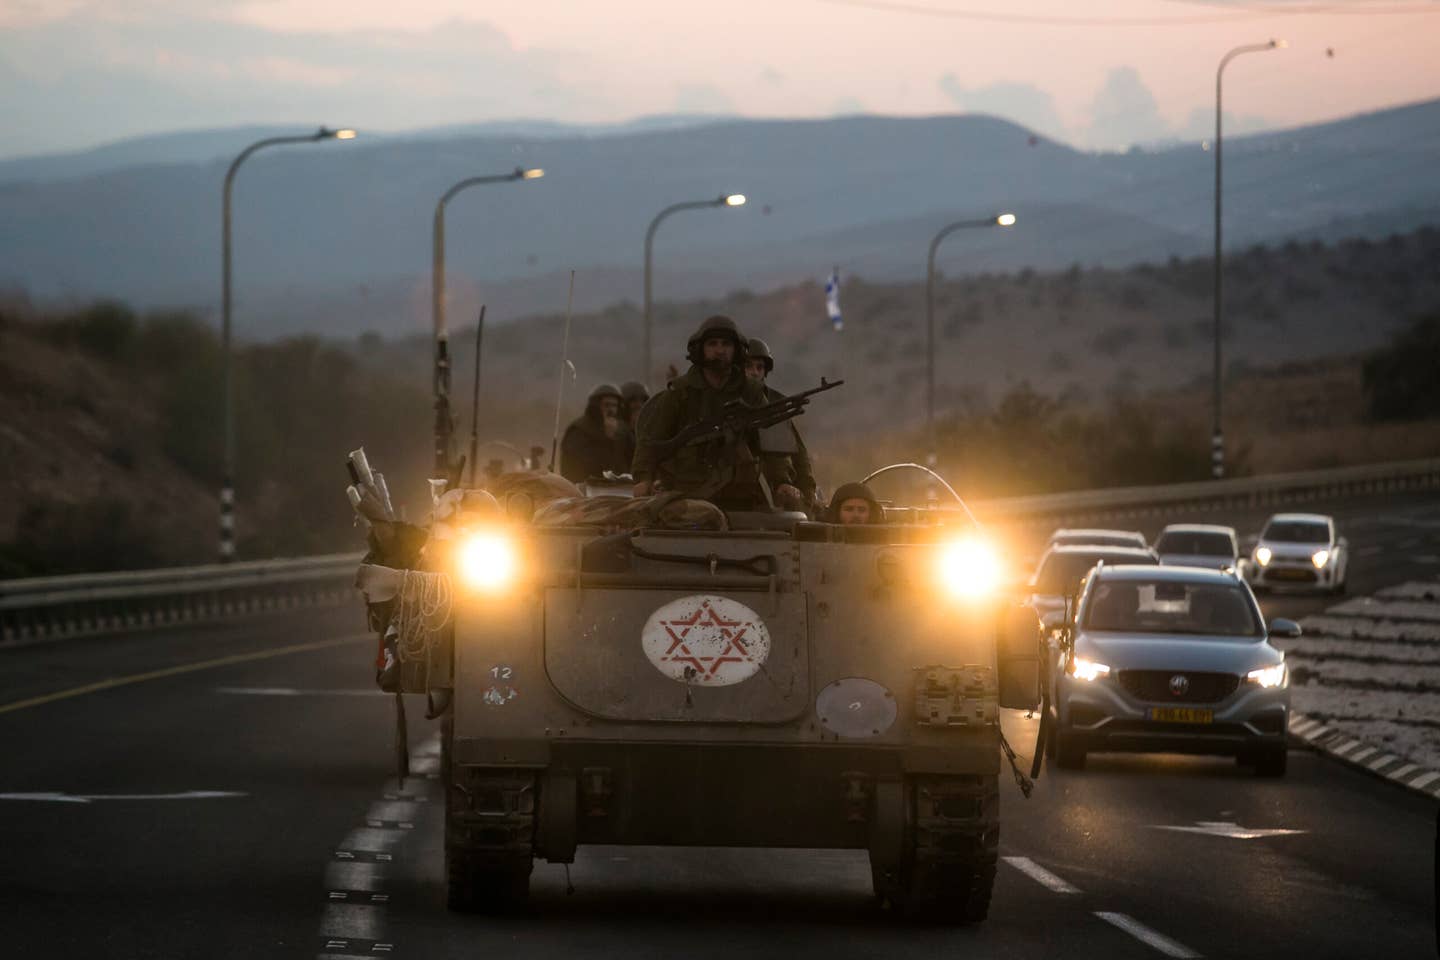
85 604
43 608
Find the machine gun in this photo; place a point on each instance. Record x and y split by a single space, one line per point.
738 417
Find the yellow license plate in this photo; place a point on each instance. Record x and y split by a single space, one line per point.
1182 715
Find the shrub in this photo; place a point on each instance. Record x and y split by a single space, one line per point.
1399 380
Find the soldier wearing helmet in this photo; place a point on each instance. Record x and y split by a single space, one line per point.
595 441
635 396
788 473
724 469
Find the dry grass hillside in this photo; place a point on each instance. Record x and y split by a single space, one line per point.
1077 379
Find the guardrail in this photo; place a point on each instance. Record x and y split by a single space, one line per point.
42 608
51 607
1119 503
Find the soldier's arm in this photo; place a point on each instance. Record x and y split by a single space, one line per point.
657 423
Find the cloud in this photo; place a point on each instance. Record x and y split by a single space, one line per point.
1021 103
701 98
173 71
1124 113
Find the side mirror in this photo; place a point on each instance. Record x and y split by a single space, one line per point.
1280 627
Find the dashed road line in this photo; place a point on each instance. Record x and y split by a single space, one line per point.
1424 780
1040 875
1151 938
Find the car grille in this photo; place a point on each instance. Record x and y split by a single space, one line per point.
1296 574
1154 685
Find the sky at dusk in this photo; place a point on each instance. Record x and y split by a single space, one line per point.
1102 75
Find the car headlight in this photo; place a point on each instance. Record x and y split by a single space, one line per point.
1267 676
969 568
1320 558
1262 556
1089 669
486 561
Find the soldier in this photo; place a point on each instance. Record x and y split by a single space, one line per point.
724 469
854 503
593 442
635 396
790 475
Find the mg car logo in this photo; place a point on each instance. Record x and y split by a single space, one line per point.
1179 685
706 640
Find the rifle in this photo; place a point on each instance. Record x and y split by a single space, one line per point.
737 417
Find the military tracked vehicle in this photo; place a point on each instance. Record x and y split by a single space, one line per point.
755 679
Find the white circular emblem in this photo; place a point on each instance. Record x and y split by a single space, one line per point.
706 640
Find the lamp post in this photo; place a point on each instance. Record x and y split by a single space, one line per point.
443 425
227 480
999 220
724 200
1217 435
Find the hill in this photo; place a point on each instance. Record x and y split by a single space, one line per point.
335 237
1047 381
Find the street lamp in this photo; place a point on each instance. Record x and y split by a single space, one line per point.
227 480
1217 436
999 220
443 426
724 200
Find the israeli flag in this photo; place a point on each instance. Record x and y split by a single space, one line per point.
832 300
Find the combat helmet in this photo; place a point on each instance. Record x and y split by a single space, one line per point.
759 349
633 390
604 390
716 326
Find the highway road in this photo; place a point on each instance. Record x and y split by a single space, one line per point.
228 791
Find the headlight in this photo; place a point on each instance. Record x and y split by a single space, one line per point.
1262 555
486 561
1320 558
969 568
1267 676
1089 669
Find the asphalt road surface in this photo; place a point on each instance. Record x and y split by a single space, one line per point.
234 796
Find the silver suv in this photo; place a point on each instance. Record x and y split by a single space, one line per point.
1169 660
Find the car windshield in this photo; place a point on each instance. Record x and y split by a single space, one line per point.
1169 606
1096 539
1297 531
1061 573
1193 544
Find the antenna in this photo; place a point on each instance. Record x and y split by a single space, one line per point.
564 366
475 398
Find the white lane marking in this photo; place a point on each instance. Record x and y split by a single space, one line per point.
1317 733
1346 747
297 692
370 840
1040 875
1424 780
92 797
392 810
1152 938
354 921
1302 726
1224 828
1359 755
424 765
1379 762
1399 773
356 875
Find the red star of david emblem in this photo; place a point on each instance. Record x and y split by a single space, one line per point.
703 621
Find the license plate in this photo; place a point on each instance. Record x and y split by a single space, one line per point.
1284 574
1182 715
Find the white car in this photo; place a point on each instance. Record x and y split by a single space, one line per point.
1299 551
1061 571
1198 545
1080 537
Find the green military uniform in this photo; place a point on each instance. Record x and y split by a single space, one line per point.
725 469
782 468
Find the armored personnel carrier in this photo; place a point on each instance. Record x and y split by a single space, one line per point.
696 678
